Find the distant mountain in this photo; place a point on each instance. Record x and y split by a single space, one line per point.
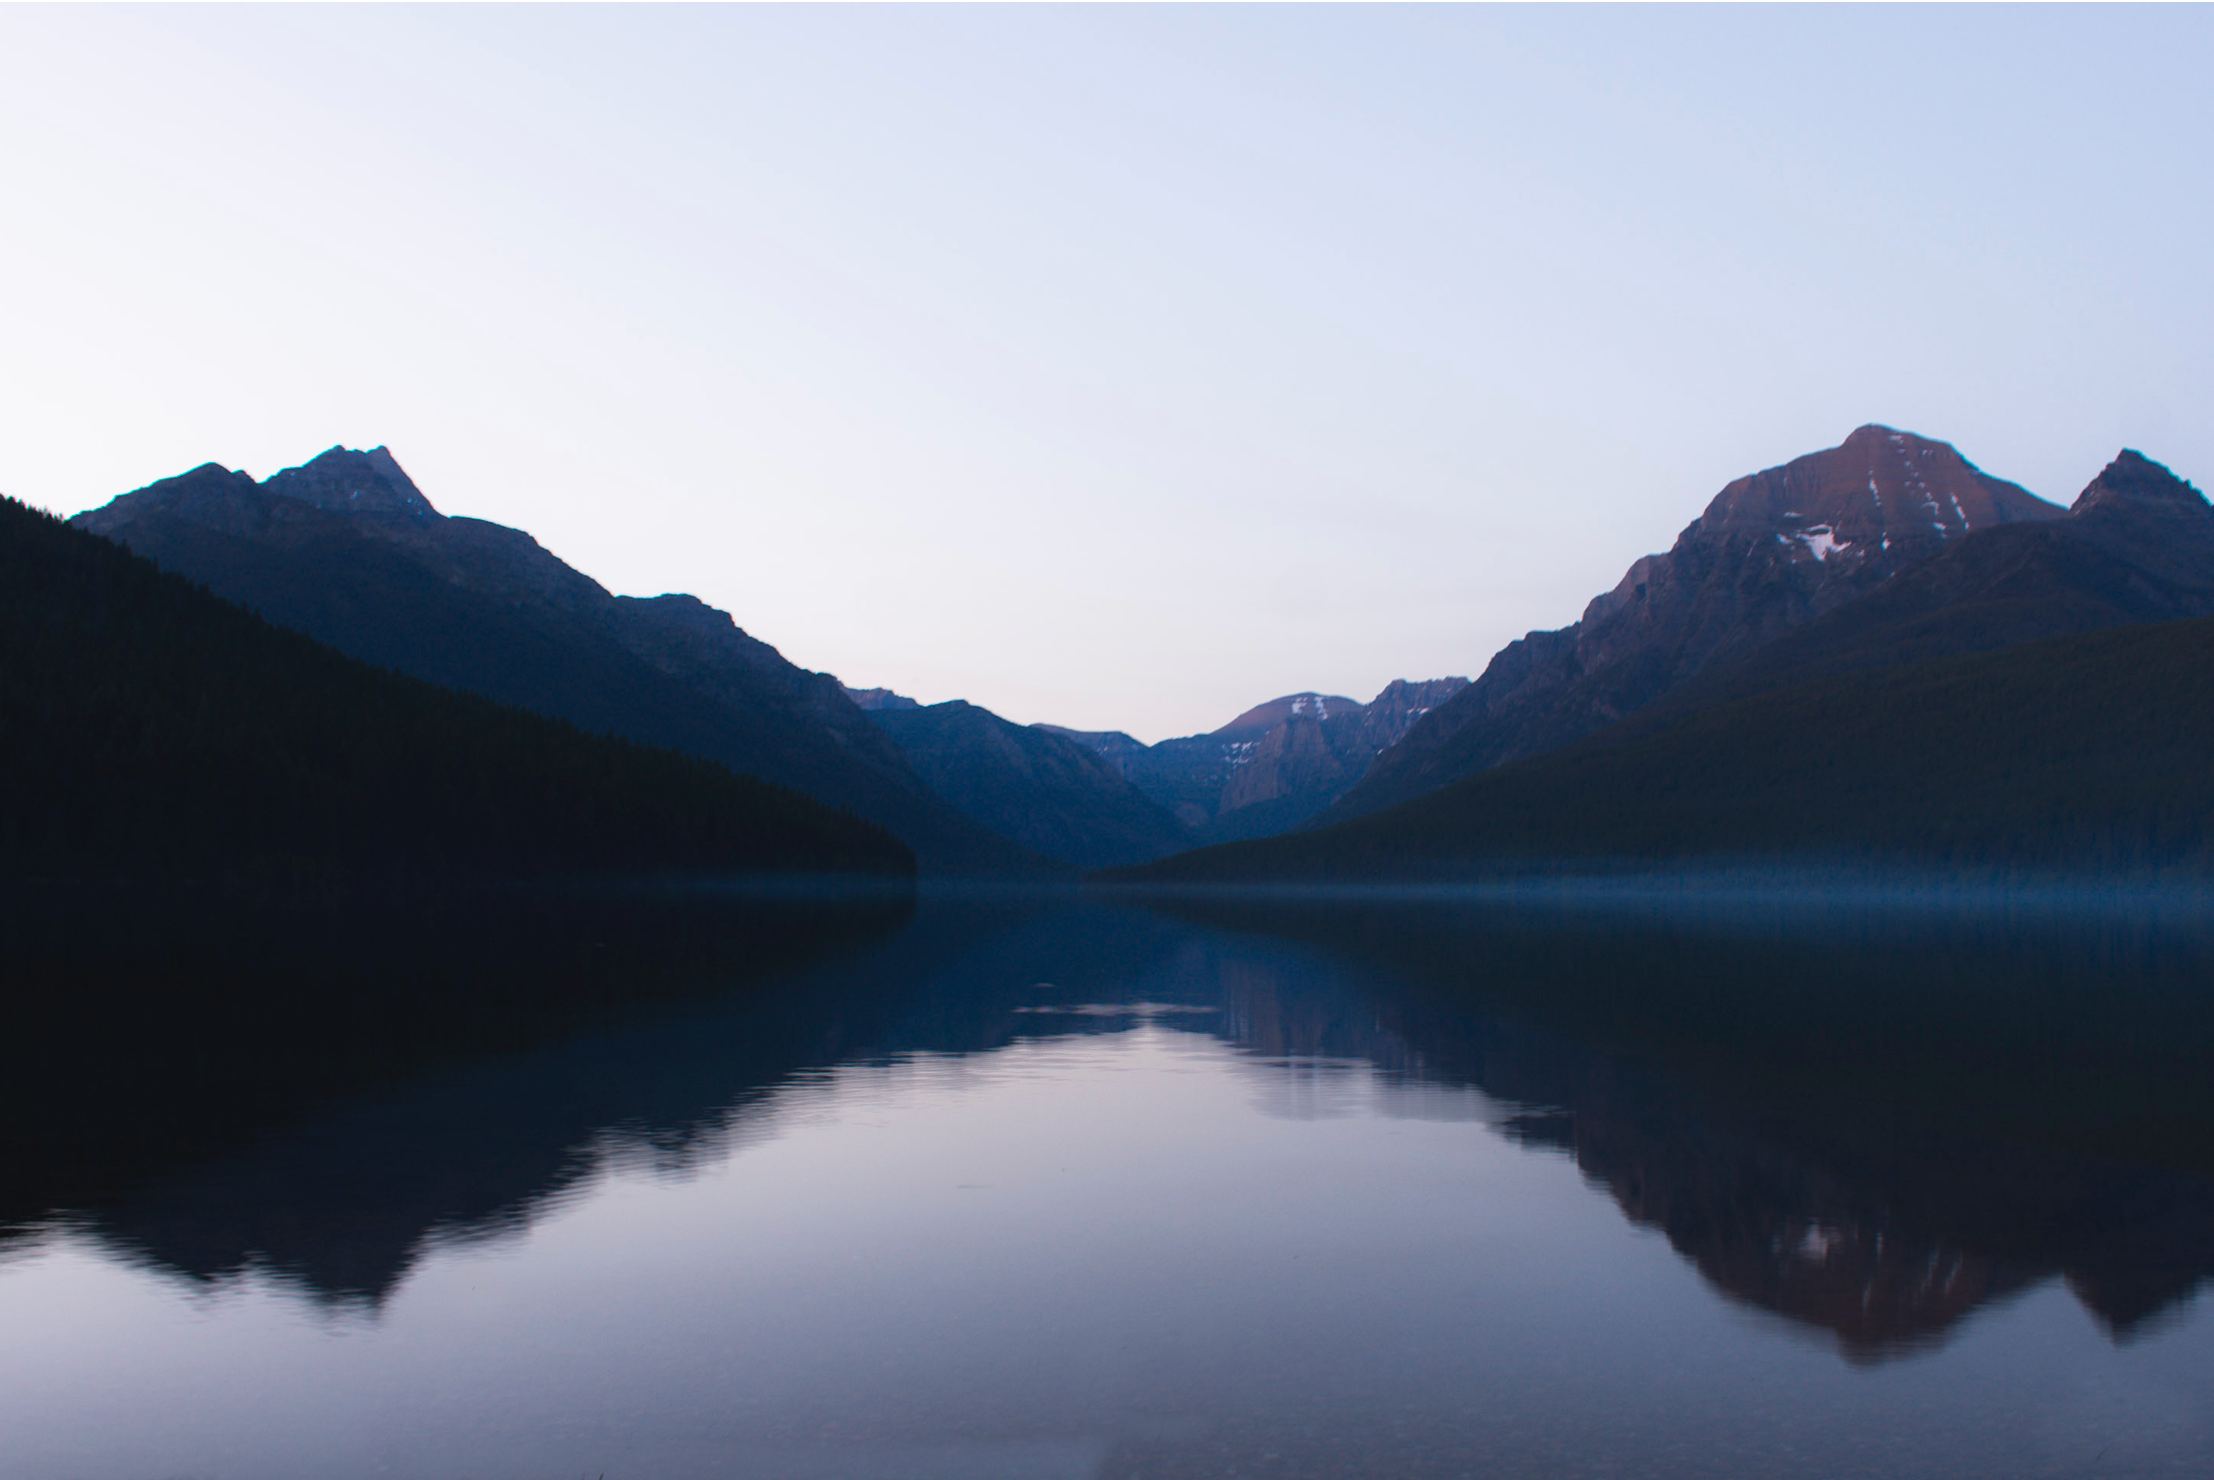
1046 792
155 731
347 550
2091 754
1772 552
1273 766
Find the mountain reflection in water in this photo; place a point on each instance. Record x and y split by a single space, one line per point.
1867 1122
1868 1116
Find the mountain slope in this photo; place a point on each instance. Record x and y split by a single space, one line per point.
1045 792
150 729
347 550
1771 552
2086 753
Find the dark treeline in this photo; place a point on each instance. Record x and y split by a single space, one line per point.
151 730
2082 754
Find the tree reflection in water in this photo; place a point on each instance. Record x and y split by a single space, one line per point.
1868 1121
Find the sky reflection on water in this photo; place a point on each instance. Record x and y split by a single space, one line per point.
1076 1190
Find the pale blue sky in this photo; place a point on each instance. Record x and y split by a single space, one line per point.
1119 367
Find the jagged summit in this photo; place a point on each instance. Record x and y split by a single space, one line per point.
1808 536
2134 481
371 483
371 486
1879 493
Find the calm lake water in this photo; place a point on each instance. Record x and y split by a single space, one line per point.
1632 1184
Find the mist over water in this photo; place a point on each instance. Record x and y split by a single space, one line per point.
1627 1179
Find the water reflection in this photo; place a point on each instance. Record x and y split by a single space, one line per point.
1870 1127
318 1086
1868 1122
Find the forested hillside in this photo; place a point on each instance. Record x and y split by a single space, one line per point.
150 729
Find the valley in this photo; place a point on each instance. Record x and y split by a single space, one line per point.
1885 552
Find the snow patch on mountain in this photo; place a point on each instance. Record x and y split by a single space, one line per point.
1822 542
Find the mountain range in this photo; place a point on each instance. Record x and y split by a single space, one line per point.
1099 798
1885 551
348 550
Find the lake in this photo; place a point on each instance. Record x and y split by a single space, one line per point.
1644 1179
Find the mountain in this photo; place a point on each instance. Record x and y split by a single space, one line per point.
1272 767
1046 792
156 731
1772 552
2089 754
347 550
2136 546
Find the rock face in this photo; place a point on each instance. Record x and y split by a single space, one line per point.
347 550
1273 766
1046 792
1772 552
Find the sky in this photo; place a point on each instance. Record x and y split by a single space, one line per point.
1119 368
